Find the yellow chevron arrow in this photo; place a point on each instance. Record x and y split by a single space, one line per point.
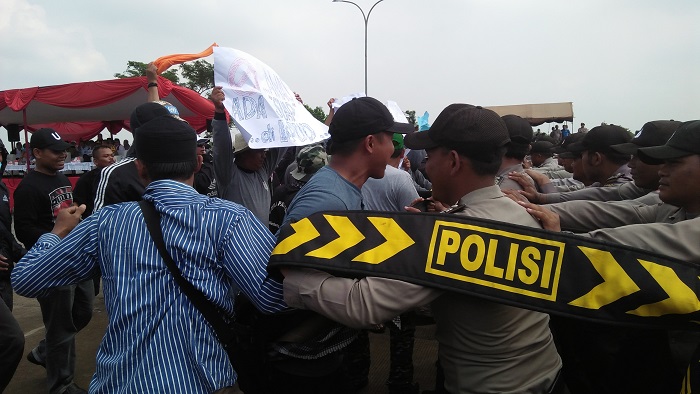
348 236
396 241
681 298
304 232
616 283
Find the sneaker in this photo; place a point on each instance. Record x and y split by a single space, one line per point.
32 358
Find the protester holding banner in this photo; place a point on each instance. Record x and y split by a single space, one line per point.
242 174
484 346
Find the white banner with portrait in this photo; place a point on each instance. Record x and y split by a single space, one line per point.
262 106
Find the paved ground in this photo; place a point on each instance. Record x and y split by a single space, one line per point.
30 378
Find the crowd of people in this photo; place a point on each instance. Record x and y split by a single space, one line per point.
77 151
220 203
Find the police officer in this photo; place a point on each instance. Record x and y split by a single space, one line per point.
465 146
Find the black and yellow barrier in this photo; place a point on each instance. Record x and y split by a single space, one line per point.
556 273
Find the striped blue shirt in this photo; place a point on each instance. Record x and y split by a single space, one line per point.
156 340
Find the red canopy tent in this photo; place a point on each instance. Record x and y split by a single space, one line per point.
79 111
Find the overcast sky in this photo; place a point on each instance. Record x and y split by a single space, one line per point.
623 61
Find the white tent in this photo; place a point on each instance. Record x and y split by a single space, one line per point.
537 114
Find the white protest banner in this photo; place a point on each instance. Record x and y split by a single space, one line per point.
262 106
338 102
396 112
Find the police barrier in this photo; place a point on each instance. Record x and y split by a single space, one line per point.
556 273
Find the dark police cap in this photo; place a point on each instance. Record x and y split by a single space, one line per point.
473 131
563 148
684 142
654 133
166 139
601 138
361 117
544 147
519 129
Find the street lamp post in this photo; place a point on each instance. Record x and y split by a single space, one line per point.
366 18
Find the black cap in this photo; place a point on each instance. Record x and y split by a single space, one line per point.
563 149
143 114
473 131
166 139
46 138
146 112
202 141
654 133
519 129
542 147
361 117
601 138
684 142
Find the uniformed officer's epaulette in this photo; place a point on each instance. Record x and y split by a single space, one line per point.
556 273
614 180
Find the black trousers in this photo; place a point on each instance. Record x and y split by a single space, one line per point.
11 336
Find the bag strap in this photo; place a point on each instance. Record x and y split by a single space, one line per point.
205 307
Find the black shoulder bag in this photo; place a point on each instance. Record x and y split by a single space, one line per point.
246 338
205 307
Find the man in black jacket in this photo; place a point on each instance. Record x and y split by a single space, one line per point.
84 193
11 335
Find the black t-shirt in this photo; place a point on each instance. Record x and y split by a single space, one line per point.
38 198
84 192
204 179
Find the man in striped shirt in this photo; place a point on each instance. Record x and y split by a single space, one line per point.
156 340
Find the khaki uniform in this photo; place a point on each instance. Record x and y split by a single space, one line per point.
549 165
484 346
585 216
624 191
505 183
660 228
678 239
622 175
561 185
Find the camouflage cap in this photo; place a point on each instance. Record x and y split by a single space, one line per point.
309 160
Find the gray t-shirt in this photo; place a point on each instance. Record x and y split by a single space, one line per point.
326 191
391 193
250 189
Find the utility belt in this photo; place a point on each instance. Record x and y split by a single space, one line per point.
253 352
556 273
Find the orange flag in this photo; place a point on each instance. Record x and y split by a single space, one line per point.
164 62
